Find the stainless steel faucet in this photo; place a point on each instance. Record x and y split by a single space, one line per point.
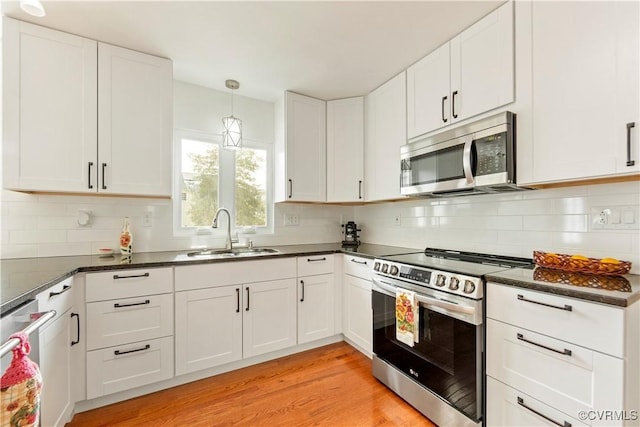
214 224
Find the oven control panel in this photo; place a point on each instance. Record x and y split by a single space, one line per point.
460 284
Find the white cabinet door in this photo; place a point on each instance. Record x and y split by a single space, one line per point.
428 94
302 152
358 316
386 131
269 321
585 89
50 109
208 328
345 150
135 116
55 367
315 307
482 65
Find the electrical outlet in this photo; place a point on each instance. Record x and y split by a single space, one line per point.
147 219
396 220
291 219
614 218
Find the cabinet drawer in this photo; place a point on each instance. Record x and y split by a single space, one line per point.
127 320
124 367
569 377
511 408
315 264
59 297
357 266
587 324
128 283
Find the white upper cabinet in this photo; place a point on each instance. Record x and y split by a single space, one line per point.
428 94
345 150
98 120
135 122
386 132
585 89
301 166
469 75
50 109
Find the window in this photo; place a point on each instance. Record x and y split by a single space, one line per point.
208 177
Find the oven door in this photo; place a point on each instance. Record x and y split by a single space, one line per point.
447 166
447 359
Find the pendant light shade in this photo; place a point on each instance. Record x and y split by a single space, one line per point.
232 126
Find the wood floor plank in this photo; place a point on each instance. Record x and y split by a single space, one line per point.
328 386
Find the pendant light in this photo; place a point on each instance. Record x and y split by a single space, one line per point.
232 126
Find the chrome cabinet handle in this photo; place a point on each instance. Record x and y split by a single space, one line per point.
290 188
90 185
116 277
521 403
238 300
453 104
316 260
629 126
565 308
358 262
247 309
77 340
65 288
104 166
145 302
119 353
565 352
302 283
444 119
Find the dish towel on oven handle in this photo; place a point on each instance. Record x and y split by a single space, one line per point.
406 317
20 387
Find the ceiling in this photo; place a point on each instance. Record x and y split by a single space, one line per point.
324 49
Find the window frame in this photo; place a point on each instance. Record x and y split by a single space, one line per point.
226 182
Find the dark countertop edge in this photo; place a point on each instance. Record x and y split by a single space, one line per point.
8 306
573 293
19 300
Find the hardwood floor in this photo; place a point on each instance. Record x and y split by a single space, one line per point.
328 386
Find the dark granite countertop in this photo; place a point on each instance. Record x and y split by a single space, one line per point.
23 278
621 291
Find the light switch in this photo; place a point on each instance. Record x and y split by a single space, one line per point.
614 218
628 217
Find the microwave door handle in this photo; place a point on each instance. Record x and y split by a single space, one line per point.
466 161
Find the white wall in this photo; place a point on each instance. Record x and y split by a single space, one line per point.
554 220
46 225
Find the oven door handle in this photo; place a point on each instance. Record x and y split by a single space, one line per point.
428 301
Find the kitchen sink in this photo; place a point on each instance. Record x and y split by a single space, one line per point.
236 252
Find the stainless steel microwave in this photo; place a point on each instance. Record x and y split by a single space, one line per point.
479 157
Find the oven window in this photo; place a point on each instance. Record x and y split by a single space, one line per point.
446 360
437 166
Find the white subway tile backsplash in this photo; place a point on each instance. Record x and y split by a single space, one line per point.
556 223
36 236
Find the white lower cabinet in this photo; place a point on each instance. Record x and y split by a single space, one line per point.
315 307
548 362
208 328
129 329
55 355
269 322
316 297
357 319
218 321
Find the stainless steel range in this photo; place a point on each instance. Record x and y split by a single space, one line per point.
441 373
